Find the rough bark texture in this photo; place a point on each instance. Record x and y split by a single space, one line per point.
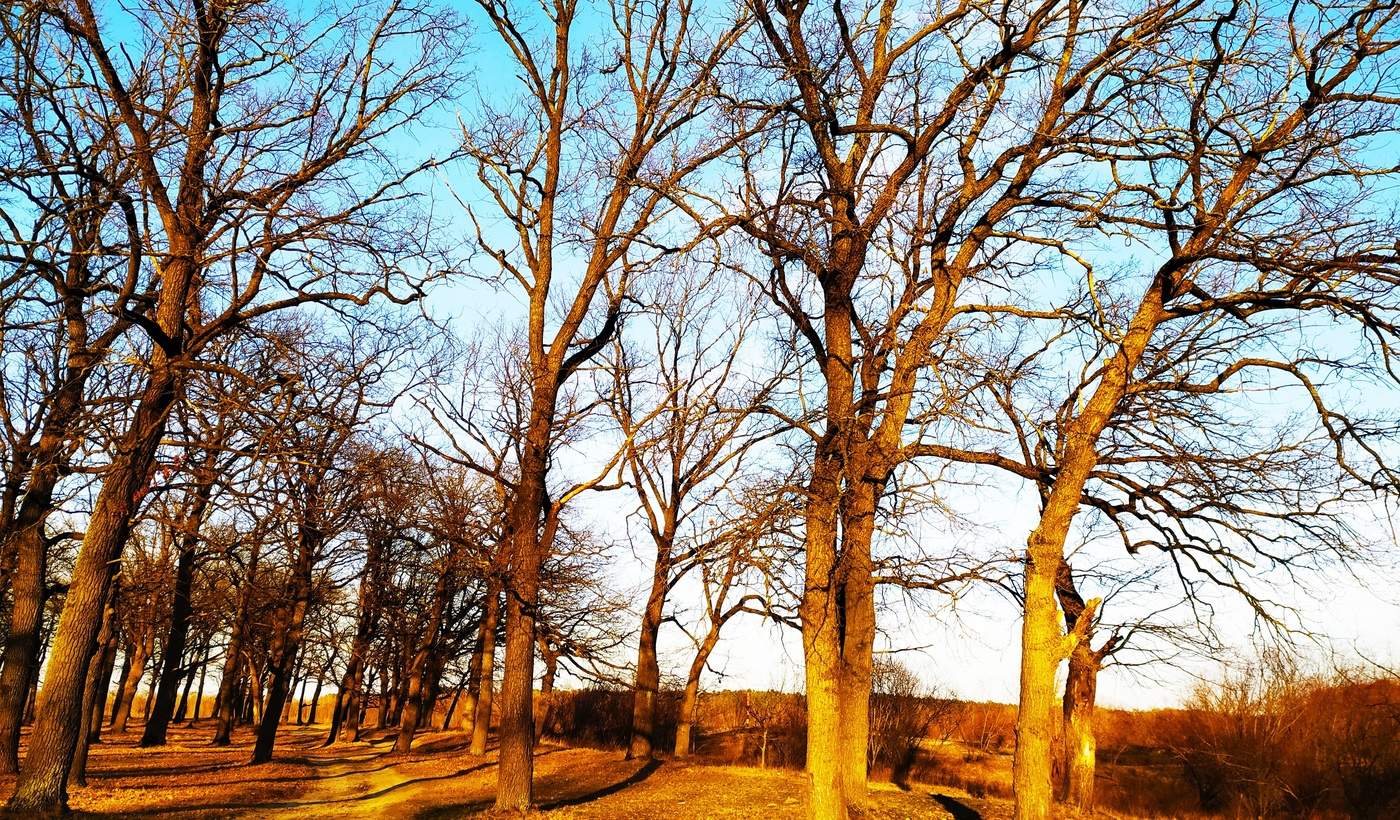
42 783
22 642
1080 745
515 787
96 682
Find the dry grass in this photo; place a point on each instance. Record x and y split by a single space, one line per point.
190 779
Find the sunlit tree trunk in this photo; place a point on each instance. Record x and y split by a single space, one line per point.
515 788
42 783
648 677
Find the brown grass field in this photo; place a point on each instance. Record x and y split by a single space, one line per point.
191 779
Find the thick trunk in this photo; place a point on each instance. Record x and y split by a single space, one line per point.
821 645
515 785
858 641
173 653
648 678
1042 644
42 783
486 684
25 543
22 642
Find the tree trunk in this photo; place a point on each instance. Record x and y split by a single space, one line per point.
821 645
648 677
92 708
140 654
1080 745
288 641
108 656
452 704
690 698
199 691
1041 652
173 653
194 667
473 681
858 641
315 699
481 722
42 783
226 702
25 537
127 651
22 642
417 689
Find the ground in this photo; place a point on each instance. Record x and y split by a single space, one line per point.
191 779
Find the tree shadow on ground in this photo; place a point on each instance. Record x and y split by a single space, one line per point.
955 807
631 780
459 809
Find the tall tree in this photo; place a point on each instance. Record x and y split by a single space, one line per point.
584 165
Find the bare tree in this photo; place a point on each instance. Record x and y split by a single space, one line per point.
585 166
686 410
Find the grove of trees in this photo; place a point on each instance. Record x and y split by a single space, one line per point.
348 349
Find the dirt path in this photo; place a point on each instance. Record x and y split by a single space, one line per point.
190 779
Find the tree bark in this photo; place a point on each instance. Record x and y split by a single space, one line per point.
22 642
315 699
690 698
1081 748
92 708
481 720
515 784
42 785
108 656
417 690
648 677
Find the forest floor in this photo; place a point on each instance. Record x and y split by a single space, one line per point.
191 779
